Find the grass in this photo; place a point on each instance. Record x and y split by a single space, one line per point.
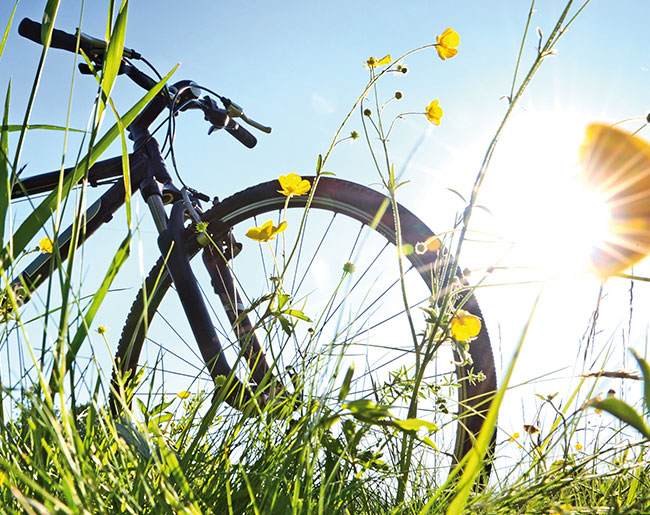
62 451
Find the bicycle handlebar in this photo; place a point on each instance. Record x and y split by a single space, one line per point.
95 49
32 30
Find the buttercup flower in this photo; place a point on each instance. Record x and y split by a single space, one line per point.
578 447
46 245
373 62
616 166
292 184
267 232
183 394
464 326
434 112
101 329
447 43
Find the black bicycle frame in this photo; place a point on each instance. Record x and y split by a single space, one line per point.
148 174
146 168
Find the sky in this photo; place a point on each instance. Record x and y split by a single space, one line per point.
299 67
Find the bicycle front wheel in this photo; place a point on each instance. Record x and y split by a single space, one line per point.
347 301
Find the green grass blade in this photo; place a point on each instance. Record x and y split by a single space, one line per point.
126 169
42 212
49 15
477 454
622 411
46 34
125 156
118 260
127 176
6 34
109 18
5 187
645 370
40 126
113 56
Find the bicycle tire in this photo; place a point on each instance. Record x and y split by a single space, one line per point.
360 204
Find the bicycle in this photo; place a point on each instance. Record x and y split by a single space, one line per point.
366 237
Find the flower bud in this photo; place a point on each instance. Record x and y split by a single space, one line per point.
367 112
398 95
349 267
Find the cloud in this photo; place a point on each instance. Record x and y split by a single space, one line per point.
320 105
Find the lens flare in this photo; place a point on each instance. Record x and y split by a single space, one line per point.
616 168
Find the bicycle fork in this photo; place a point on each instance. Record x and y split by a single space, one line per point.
171 241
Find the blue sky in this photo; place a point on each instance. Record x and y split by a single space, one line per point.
298 67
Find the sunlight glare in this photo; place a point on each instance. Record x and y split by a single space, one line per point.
538 202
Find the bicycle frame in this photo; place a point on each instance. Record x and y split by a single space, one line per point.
149 175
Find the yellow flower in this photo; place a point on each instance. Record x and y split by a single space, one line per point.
513 437
464 326
292 184
46 245
616 166
578 446
267 232
373 62
434 112
101 329
183 394
447 43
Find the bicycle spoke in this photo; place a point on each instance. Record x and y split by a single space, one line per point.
164 348
316 251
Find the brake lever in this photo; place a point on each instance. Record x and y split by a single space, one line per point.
235 111
212 113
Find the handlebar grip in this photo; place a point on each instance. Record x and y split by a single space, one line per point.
32 30
241 134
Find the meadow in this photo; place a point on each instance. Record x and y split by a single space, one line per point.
361 411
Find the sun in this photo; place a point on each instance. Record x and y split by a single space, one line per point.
540 207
